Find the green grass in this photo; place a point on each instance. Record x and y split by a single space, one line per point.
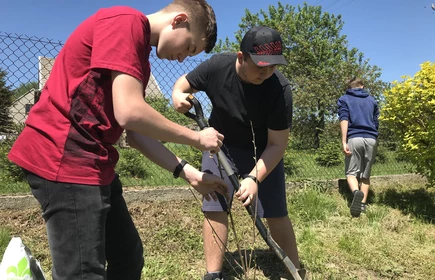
14 188
5 237
395 239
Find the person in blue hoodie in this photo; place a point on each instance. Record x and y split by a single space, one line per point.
358 113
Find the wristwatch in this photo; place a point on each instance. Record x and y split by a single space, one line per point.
179 168
251 177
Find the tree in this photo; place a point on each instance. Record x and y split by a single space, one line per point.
319 64
5 104
410 111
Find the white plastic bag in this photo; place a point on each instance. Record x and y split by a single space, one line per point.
19 264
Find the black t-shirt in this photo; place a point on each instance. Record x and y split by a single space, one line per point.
236 103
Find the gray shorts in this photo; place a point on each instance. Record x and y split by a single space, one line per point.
359 163
271 192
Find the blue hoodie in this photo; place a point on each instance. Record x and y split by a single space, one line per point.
362 112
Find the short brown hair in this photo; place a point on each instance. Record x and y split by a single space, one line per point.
202 18
355 83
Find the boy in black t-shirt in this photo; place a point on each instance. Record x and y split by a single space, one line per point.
248 94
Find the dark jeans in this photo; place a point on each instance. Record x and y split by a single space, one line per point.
87 225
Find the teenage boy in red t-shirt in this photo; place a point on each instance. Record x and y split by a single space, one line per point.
94 93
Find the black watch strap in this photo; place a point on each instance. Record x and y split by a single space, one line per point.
251 177
179 168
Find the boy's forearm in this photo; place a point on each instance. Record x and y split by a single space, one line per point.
343 128
267 162
274 152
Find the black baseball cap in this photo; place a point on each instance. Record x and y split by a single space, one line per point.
264 45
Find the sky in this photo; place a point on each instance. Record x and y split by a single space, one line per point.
397 36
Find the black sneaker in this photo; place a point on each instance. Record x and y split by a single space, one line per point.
355 207
213 276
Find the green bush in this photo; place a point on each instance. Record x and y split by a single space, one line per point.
297 142
386 137
192 155
329 154
409 111
401 156
131 164
163 106
10 172
290 166
381 154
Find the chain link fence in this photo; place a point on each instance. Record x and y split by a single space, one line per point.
27 62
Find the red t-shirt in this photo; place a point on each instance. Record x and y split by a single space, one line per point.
70 131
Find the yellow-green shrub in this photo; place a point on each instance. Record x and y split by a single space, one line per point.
410 111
